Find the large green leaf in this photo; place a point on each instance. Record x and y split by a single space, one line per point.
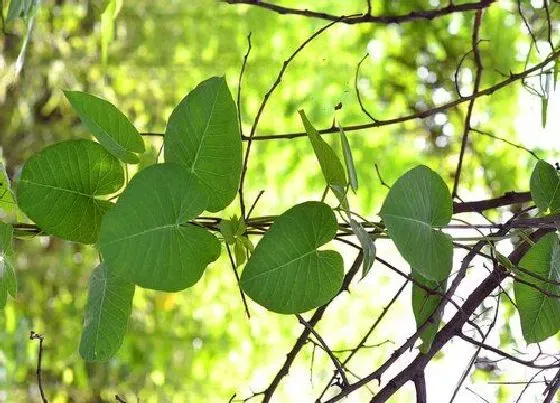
146 238
59 185
416 204
539 313
545 187
286 273
109 125
7 273
423 305
203 134
108 308
332 168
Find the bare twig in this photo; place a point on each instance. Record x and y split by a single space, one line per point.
368 18
478 77
358 90
234 267
263 105
41 338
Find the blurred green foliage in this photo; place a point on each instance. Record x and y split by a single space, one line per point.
198 345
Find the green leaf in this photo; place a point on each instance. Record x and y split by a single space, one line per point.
416 204
8 283
545 187
349 160
544 110
58 188
539 313
367 244
227 231
109 125
286 273
146 238
108 307
240 252
107 29
424 305
18 8
328 160
7 200
203 134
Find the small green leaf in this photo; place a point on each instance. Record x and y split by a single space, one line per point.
545 188
227 231
544 110
240 252
108 308
349 160
203 135
367 244
18 8
146 238
109 125
424 305
328 160
107 29
539 313
8 283
417 204
286 273
7 200
58 188
248 244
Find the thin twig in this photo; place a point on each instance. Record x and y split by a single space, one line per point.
234 267
263 105
326 348
41 338
358 90
478 77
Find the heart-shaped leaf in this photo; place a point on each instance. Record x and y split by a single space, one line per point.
416 205
7 273
108 308
109 125
539 313
423 305
286 273
146 238
203 135
545 187
58 188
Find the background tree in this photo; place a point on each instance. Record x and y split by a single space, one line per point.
425 59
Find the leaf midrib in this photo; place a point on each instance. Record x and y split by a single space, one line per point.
274 269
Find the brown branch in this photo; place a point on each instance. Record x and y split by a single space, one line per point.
420 385
552 388
490 204
476 88
41 338
234 267
364 109
427 15
513 77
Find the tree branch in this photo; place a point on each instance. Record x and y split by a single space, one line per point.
367 18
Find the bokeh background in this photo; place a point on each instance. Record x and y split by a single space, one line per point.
198 345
